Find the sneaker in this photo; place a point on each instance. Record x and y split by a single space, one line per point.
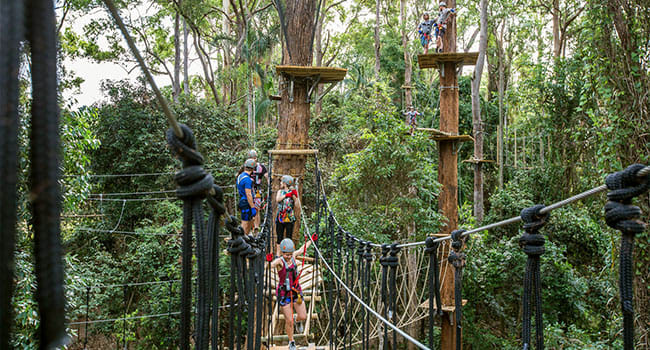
292 345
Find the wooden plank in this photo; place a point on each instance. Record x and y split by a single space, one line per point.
293 151
433 60
275 97
434 131
445 308
457 138
476 161
327 74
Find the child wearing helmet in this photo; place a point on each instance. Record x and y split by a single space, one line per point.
441 23
245 189
286 198
289 292
424 29
260 173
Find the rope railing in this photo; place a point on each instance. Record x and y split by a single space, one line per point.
355 296
547 209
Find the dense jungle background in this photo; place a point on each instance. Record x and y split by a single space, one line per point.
567 82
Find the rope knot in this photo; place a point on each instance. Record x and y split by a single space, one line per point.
393 260
457 258
457 239
532 242
185 148
216 200
234 227
431 245
624 186
533 219
368 254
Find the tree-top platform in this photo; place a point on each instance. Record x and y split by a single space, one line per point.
439 135
434 60
325 74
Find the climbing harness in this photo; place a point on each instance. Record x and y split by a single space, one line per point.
532 244
621 215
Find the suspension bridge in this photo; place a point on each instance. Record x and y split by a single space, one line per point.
360 294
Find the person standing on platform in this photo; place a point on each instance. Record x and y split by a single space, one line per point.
425 32
411 118
245 189
259 175
441 24
286 198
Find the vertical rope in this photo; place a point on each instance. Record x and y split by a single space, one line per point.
11 29
457 260
393 261
532 244
384 286
434 285
44 176
621 215
170 339
124 317
367 255
86 322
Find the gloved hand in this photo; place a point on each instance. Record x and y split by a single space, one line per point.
253 211
292 193
314 237
269 257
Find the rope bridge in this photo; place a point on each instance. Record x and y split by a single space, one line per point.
367 294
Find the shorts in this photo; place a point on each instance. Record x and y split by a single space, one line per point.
424 39
283 230
246 213
286 300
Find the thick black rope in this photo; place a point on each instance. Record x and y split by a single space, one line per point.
252 257
621 215
11 27
237 248
368 257
384 287
194 184
217 210
434 285
349 271
457 260
45 173
392 262
533 245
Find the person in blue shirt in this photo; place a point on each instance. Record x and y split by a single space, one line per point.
441 24
425 32
245 189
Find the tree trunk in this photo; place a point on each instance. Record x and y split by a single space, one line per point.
227 88
408 99
377 43
176 84
476 116
294 117
501 88
186 59
557 43
318 41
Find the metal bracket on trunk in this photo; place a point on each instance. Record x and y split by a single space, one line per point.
291 89
312 87
329 88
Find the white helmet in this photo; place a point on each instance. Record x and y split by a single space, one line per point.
286 246
442 4
287 179
250 164
252 154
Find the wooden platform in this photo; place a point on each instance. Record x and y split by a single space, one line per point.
433 60
293 152
477 161
439 135
326 74
445 308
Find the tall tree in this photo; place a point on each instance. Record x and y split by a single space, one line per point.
408 99
377 42
298 20
476 115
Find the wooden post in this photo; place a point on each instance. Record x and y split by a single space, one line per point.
448 172
294 114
